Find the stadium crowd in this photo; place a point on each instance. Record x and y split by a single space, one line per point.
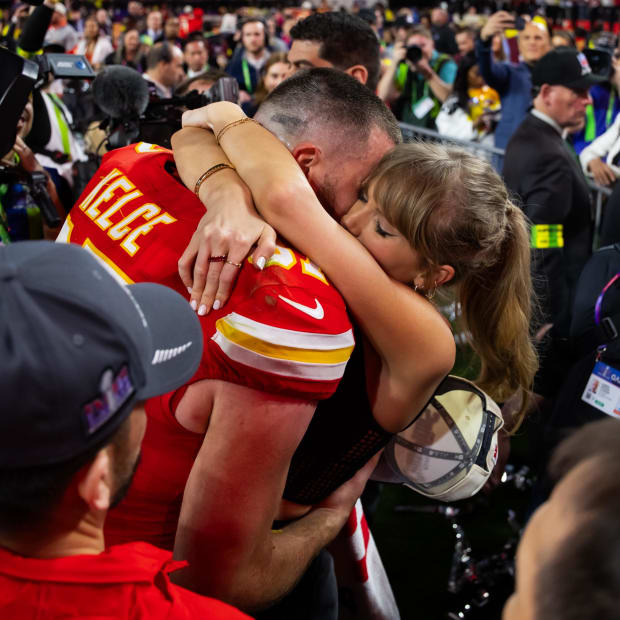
292 221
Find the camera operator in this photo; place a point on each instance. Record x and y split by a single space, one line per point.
22 182
164 69
418 81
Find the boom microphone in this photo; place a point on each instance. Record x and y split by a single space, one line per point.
121 92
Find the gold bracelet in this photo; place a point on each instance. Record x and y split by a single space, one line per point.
203 177
224 129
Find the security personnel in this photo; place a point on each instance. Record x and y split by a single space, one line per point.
540 167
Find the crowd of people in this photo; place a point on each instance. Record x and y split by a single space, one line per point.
196 397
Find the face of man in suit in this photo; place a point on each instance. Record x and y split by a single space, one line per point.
567 107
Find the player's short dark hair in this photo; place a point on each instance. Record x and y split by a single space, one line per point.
326 98
28 495
160 52
345 39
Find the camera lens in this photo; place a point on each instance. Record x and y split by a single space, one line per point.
414 53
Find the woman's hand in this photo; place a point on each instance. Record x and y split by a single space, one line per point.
213 116
229 231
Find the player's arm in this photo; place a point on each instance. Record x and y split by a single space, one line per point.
404 329
233 493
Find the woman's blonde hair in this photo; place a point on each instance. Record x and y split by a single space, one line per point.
455 210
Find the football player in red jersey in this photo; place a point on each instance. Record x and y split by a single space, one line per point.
226 439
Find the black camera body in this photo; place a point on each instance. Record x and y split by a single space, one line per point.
414 54
162 117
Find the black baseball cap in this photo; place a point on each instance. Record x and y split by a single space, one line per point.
78 350
565 67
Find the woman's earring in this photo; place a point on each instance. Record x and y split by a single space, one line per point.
415 287
430 295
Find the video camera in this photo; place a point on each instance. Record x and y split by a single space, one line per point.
18 78
162 117
133 114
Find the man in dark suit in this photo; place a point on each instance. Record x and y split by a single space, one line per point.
540 167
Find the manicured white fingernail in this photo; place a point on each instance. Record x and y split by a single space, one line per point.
189 290
193 304
216 304
202 310
260 263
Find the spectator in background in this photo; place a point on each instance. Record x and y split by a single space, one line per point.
416 90
154 32
275 42
195 54
471 111
172 31
540 168
246 65
105 23
277 69
95 45
563 38
70 446
130 52
164 69
443 35
512 82
60 31
466 40
337 40
135 16
13 30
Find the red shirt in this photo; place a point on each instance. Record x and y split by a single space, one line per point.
126 581
284 330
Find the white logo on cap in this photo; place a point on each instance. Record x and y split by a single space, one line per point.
165 355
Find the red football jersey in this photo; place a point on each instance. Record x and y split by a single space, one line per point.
285 329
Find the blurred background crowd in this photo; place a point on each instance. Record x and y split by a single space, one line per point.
477 74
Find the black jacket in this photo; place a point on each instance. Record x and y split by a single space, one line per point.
541 169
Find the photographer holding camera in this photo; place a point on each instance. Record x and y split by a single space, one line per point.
24 183
418 81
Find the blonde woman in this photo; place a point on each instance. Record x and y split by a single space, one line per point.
428 217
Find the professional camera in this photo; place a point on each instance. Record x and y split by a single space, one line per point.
18 78
133 115
414 53
599 57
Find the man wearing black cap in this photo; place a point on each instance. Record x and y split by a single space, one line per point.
540 167
80 354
